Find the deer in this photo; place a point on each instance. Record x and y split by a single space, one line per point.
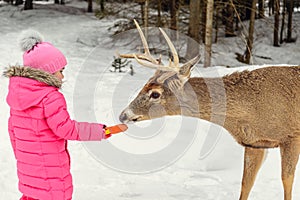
261 108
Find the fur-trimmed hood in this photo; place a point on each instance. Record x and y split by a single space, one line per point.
28 86
32 73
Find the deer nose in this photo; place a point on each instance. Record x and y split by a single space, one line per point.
123 117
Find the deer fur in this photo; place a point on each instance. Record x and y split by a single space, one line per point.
259 108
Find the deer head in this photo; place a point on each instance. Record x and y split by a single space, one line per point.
166 92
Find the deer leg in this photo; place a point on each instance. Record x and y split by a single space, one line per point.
253 158
289 158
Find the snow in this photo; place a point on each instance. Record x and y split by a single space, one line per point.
162 159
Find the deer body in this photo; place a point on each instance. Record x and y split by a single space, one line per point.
262 106
259 108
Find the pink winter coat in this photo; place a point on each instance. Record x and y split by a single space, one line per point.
39 127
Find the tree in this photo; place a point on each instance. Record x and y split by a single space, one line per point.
245 9
283 21
62 2
208 32
246 58
90 6
203 4
28 5
290 9
261 8
229 18
142 4
102 7
194 30
19 2
271 7
174 7
218 10
159 13
146 14
119 63
248 52
174 12
276 24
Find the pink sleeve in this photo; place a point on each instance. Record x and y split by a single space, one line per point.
58 119
86 131
12 135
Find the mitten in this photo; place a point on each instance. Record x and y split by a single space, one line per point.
109 130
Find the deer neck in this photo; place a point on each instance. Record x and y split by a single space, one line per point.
204 98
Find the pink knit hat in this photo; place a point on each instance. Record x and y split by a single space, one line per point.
41 55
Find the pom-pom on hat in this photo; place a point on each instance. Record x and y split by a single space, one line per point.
40 55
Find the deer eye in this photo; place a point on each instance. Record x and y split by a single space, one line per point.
155 95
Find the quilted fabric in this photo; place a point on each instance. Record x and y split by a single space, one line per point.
39 127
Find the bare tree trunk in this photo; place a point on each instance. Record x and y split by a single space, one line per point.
102 7
245 10
18 2
218 9
208 32
174 12
28 5
90 6
271 7
276 24
203 7
146 17
283 21
261 8
146 13
238 15
194 30
290 6
174 7
142 11
249 47
229 26
158 23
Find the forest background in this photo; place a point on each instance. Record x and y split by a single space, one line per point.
203 21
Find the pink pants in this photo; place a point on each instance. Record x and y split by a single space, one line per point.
27 198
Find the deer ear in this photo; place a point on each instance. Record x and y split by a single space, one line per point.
185 69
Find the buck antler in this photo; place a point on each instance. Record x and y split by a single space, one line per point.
146 58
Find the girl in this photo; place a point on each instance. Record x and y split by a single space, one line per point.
40 125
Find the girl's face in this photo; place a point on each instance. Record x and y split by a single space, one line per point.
59 74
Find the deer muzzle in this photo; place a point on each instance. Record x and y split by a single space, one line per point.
128 116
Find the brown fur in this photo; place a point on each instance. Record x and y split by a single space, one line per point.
259 108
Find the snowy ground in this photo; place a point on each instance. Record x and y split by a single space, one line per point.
84 40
